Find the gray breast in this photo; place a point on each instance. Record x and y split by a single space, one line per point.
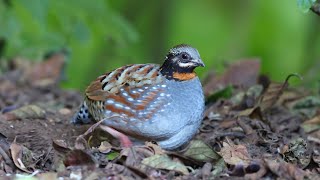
185 106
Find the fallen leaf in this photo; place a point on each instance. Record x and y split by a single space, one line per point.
223 93
285 170
253 113
112 155
199 151
5 151
310 127
273 93
17 156
105 147
235 154
164 162
307 106
49 71
156 148
78 157
315 120
218 168
248 99
242 73
26 112
60 146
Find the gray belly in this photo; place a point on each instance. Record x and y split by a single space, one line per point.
185 108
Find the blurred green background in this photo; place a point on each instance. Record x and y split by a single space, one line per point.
105 34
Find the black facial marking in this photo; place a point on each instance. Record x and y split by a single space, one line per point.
171 64
181 59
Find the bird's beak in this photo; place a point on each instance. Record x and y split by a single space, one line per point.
198 62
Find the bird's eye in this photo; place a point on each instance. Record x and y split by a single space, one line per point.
185 56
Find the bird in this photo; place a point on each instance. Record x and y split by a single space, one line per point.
149 102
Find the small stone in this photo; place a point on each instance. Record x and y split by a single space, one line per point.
65 111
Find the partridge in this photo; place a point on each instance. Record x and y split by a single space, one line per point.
149 102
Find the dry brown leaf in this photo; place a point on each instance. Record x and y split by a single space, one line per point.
156 148
235 154
164 162
60 146
273 93
78 157
17 156
254 113
242 73
81 142
285 170
105 147
314 120
48 71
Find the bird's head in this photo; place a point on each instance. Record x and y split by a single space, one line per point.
180 62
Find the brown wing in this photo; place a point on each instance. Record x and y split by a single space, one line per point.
131 76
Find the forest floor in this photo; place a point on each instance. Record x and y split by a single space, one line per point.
251 129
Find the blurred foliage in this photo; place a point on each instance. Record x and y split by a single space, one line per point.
305 5
105 34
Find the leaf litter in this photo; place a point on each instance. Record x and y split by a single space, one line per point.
253 128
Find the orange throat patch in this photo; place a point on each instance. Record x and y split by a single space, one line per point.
184 76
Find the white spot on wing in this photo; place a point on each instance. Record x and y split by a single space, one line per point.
127 108
110 101
108 111
119 105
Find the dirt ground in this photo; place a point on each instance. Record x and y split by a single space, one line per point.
253 128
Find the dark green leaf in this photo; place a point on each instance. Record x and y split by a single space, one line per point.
223 93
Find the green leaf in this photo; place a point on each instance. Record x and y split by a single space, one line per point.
164 162
199 151
223 93
113 155
305 5
307 106
218 168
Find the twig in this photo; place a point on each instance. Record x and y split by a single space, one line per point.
313 139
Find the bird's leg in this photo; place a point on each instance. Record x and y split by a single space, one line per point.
124 139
